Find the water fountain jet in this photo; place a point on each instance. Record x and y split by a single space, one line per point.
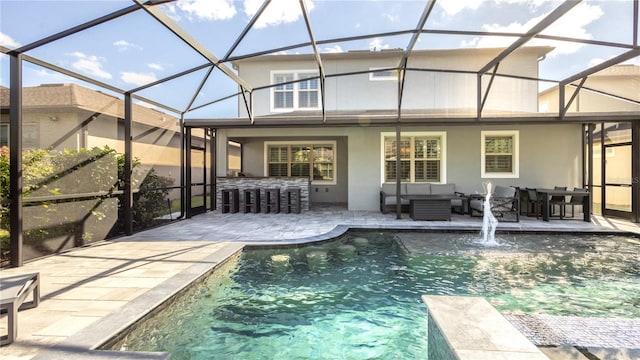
489 222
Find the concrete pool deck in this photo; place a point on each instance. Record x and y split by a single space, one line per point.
87 290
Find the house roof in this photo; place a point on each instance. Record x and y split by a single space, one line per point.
393 54
61 97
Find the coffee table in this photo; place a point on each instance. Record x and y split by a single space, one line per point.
429 207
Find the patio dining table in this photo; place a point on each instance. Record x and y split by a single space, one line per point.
545 194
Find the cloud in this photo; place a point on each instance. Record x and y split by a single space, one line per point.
452 7
145 104
596 61
137 79
572 25
170 10
378 44
7 41
124 45
89 64
155 66
277 12
35 77
208 9
634 61
392 18
334 49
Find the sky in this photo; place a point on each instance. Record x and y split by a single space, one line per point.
135 49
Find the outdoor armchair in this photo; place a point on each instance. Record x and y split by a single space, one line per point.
504 201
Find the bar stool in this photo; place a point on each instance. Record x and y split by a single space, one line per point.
251 200
292 200
230 200
272 200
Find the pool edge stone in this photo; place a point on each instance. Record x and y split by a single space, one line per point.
474 330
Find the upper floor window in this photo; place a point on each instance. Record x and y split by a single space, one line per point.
383 74
295 90
499 157
422 157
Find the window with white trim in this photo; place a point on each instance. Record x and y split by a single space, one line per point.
382 74
422 157
499 154
315 159
4 135
292 94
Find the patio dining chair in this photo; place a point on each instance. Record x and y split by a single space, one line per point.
533 204
576 200
557 200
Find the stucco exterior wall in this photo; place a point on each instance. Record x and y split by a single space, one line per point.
549 155
423 89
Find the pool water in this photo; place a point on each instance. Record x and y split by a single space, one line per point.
359 297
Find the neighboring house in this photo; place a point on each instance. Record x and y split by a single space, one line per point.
352 153
73 117
614 89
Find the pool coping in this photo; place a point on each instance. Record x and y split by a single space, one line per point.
468 328
85 343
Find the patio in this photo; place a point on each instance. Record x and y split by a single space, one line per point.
91 292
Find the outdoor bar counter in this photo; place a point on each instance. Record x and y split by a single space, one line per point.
252 182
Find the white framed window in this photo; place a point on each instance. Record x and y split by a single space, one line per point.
31 136
500 154
315 159
422 157
383 74
4 135
292 94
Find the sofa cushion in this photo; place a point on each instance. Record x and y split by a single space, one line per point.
389 189
418 189
443 189
391 200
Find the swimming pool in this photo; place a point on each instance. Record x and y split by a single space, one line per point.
358 297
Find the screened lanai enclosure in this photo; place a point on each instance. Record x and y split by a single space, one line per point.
118 116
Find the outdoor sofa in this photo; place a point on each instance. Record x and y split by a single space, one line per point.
388 199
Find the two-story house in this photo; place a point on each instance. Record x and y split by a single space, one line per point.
342 133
